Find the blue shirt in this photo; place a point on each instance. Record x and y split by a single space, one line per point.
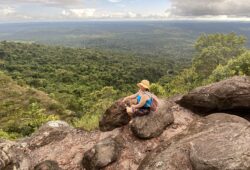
148 102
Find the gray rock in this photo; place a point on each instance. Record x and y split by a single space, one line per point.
223 118
218 145
102 154
47 165
50 132
230 94
224 147
154 124
12 158
115 116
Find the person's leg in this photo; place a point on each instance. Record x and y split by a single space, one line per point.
141 112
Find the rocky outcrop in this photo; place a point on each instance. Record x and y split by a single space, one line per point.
230 94
53 131
64 145
57 145
114 117
206 145
102 154
174 138
134 149
12 157
155 123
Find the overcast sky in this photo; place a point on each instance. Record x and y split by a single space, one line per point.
50 10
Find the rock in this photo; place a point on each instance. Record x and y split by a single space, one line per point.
102 154
167 158
227 148
134 149
115 116
230 94
50 132
59 142
47 165
154 124
206 145
12 158
223 118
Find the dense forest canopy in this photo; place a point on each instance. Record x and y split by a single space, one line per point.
83 81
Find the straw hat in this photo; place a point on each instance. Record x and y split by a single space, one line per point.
144 83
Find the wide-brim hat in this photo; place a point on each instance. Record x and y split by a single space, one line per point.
144 83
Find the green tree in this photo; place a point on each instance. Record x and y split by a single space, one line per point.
215 49
236 66
212 51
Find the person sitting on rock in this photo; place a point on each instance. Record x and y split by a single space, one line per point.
140 103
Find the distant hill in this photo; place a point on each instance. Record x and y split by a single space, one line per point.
167 39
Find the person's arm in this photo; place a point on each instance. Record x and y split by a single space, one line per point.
142 102
133 96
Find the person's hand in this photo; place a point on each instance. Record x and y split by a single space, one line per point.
129 111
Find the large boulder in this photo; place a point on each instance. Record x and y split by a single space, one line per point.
155 123
230 94
223 118
11 157
134 149
115 116
57 145
206 145
52 131
227 148
102 154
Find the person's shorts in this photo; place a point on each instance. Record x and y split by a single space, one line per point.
141 112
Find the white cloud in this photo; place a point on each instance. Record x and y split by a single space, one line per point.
7 11
132 15
79 13
114 1
43 2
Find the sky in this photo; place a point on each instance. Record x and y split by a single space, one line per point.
74 10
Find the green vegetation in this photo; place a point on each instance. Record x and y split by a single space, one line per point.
80 83
236 66
24 109
77 85
218 56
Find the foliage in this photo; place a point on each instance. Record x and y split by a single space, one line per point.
157 89
9 136
236 66
74 77
23 123
212 51
98 102
26 122
23 109
216 49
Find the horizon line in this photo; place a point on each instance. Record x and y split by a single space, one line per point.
123 20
